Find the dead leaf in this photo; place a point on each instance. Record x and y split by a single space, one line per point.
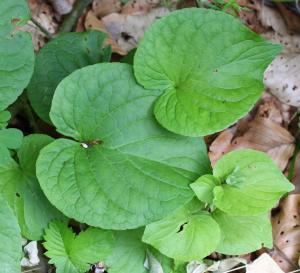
105 7
282 78
92 22
134 7
292 19
61 6
127 30
286 233
263 132
263 264
44 15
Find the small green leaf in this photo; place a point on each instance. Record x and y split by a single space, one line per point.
208 67
10 238
75 254
203 187
185 235
243 234
252 183
21 189
59 58
4 118
16 50
124 171
11 138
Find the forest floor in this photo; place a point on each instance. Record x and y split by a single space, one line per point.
273 124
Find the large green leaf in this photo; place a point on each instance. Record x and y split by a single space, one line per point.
252 183
243 234
75 254
184 236
16 51
127 171
10 238
207 64
59 58
19 186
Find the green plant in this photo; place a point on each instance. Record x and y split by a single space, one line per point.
130 160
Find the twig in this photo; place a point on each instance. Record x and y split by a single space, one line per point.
41 28
31 270
72 18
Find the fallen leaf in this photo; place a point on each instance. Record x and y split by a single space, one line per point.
61 6
263 132
282 78
44 15
134 7
286 233
105 7
263 264
127 30
291 19
92 22
215 266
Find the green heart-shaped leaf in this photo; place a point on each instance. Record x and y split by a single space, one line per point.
127 171
208 65
59 58
16 51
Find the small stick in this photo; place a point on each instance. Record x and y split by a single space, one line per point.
72 18
41 28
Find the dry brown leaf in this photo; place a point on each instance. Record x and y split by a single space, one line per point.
105 7
44 15
286 233
282 78
263 132
61 6
92 22
291 19
127 30
134 7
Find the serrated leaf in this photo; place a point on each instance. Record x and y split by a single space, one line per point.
243 234
252 183
16 51
129 171
11 138
208 66
184 236
21 189
75 254
59 58
10 238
